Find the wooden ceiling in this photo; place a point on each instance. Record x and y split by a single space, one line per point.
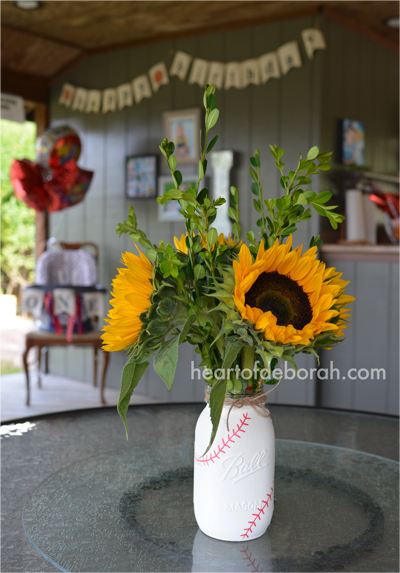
40 45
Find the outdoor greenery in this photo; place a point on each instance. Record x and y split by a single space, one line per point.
17 220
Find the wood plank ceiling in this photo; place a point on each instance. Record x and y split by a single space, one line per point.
38 46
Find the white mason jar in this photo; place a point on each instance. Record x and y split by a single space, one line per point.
234 482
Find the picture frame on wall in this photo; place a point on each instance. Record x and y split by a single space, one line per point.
182 128
170 211
141 177
352 142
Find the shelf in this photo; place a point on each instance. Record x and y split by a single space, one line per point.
361 253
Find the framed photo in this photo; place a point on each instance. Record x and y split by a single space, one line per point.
170 211
141 177
352 148
182 127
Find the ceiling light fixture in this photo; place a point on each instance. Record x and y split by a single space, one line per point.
392 22
28 4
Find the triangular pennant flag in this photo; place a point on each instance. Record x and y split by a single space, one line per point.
158 76
233 75
80 98
66 96
198 73
269 67
180 65
313 39
289 57
141 88
109 100
250 73
125 98
93 103
216 75
94 304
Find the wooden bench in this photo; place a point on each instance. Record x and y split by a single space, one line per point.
41 339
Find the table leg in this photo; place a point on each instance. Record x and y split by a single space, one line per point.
106 356
39 366
95 365
25 361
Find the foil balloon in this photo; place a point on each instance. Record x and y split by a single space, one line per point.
54 182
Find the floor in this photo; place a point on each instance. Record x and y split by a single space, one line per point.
56 395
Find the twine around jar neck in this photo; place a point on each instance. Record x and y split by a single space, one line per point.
256 401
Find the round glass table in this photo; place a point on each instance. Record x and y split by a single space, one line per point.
104 504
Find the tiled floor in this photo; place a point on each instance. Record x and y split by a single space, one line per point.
56 395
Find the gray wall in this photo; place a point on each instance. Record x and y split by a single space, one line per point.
360 81
285 111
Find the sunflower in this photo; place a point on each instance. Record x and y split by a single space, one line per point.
290 296
180 244
132 290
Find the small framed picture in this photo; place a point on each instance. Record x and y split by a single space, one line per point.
170 211
352 148
141 177
182 127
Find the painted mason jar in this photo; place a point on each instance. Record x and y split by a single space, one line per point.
234 481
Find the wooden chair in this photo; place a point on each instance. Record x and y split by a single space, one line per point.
42 339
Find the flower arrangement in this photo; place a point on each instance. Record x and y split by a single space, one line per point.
244 306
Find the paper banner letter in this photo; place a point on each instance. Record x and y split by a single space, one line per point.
216 75
66 95
198 73
94 304
289 57
180 65
93 103
233 75
313 39
33 301
124 96
109 100
158 76
269 67
250 73
80 98
141 88
64 301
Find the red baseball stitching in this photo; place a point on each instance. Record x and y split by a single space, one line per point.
221 450
256 569
257 515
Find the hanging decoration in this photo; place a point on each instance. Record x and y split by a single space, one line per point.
238 75
54 181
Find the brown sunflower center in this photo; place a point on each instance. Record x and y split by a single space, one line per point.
283 297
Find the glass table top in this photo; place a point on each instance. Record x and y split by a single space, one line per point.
129 507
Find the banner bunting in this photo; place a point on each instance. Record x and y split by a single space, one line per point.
238 75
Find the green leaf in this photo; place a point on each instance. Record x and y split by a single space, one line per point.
173 194
211 101
232 213
254 189
199 272
257 206
178 177
172 162
313 153
131 376
212 118
323 197
253 174
186 328
236 230
212 236
218 391
253 161
212 143
166 360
